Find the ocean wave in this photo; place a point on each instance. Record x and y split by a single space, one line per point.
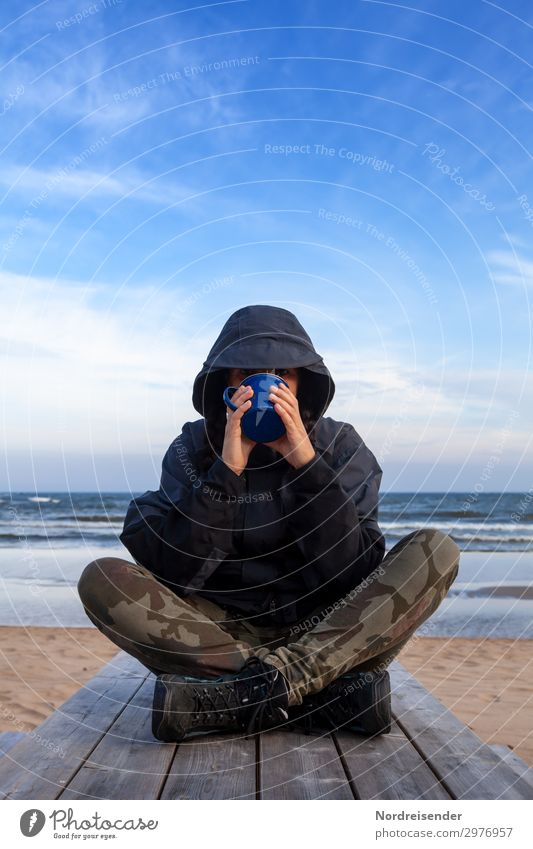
69 520
494 541
413 511
11 537
473 526
458 514
93 518
520 591
44 528
69 527
490 538
16 541
38 498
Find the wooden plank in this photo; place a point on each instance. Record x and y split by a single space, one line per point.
300 766
467 767
515 761
213 767
8 739
128 762
40 767
387 767
99 745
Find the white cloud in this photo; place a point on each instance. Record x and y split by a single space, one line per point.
436 406
75 372
81 183
90 367
511 269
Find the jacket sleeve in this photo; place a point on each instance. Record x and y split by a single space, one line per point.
333 518
184 530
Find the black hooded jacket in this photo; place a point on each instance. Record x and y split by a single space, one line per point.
275 543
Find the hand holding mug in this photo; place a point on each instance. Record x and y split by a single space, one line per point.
295 445
237 446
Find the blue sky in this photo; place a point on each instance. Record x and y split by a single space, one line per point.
365 164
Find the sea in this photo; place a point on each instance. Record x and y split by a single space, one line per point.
47 538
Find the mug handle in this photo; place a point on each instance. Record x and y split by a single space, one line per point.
226 396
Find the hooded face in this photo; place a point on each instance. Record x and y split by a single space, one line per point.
289 375
274 338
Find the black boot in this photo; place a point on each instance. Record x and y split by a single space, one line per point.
255 698
357 701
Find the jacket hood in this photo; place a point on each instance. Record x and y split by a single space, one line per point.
261 336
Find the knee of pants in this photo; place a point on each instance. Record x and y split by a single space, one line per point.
445 551
95 573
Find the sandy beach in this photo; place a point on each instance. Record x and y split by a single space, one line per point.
41 667
486 683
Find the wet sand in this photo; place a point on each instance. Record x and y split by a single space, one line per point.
488 684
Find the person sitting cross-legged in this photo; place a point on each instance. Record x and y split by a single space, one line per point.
260 593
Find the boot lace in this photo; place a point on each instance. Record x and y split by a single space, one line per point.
259 683
214 705
245 701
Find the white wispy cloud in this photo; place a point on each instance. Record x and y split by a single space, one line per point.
84 72
510 268
82 374
86 183
98 368
432 406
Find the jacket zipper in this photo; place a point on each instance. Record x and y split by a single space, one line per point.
272 605
243 516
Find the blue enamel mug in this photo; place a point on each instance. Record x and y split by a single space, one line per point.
260 422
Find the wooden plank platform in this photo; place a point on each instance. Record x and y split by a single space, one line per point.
8 739
99 745
516 762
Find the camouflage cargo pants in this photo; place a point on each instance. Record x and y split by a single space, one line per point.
365 629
